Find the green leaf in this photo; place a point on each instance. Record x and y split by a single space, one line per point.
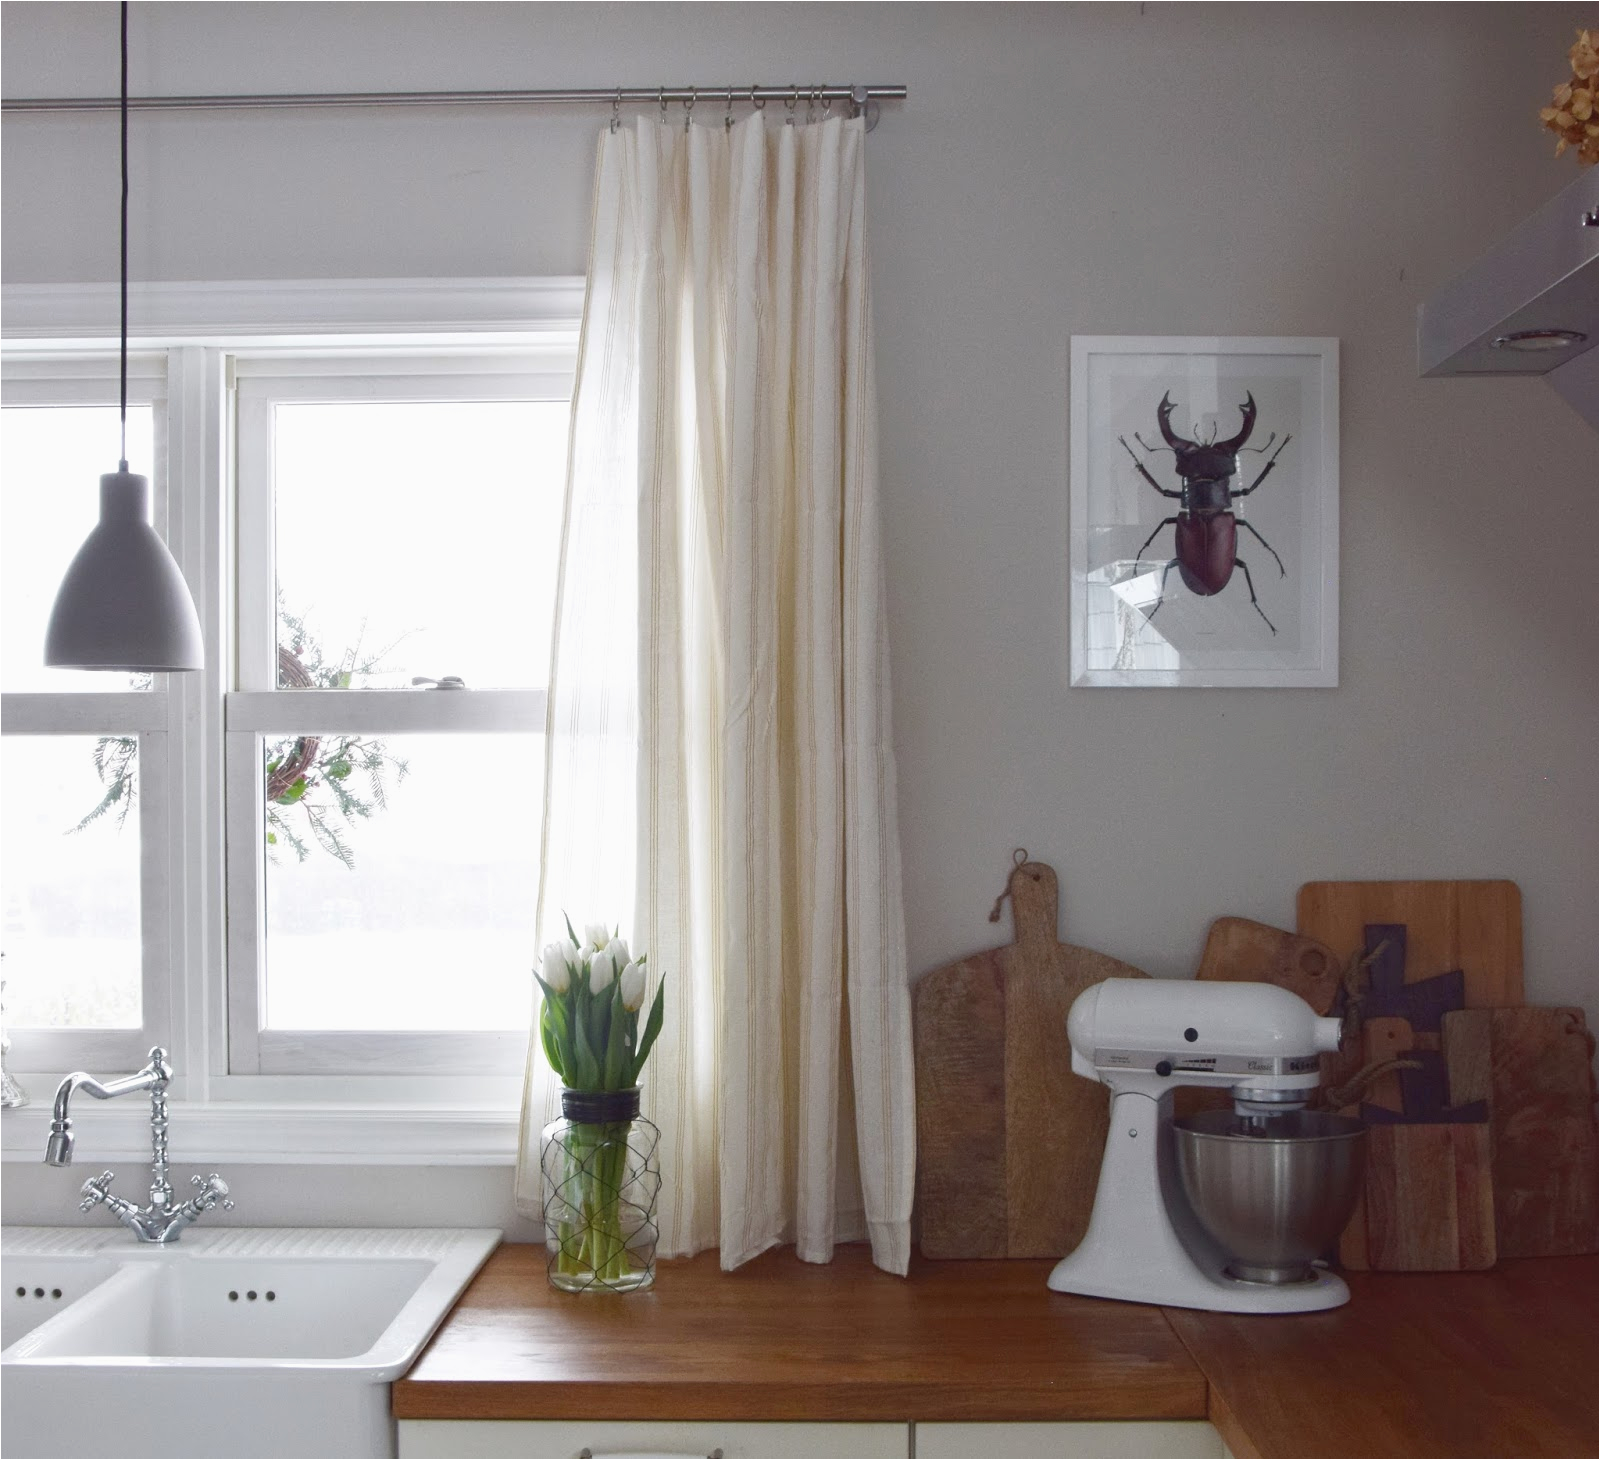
588 1067
547 1036
617 1040
272 838
652 1027
339 769
294 793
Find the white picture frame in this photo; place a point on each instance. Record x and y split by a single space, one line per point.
1275 516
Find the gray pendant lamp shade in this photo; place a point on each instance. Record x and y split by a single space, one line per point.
123 603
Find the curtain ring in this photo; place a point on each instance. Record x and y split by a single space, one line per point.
616 110
790 105
688 107
727 120
811 104
758 102
663 99
827 106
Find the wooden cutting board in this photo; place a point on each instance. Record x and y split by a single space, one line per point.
1009 1140
1238 949
1241 950
1533 1066
1429 1199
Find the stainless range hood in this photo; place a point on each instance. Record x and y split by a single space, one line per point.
1528 306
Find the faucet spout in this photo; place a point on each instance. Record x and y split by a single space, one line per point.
160 1221
154 1076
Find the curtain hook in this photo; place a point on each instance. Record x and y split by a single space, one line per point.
616 110
758 102
688 107
727 120
790 105
663 99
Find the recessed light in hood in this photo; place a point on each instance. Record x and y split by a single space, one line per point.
1536 341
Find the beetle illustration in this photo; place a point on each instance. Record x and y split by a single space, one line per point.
1205 527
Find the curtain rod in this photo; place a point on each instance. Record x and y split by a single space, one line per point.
690 96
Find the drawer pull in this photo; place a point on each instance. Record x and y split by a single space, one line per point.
587 1454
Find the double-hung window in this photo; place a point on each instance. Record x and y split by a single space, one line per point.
85 762
310 870
397 524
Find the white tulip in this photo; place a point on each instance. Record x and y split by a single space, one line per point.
596 935
617 949
632 985
556 973
601 971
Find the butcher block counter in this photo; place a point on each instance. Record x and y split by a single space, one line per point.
1459 1364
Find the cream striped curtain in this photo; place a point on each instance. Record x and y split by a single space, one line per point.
724 459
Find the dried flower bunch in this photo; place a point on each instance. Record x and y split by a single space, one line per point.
1572 117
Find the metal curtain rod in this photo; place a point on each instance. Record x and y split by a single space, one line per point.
614 95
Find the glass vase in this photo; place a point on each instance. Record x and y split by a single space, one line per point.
601 1181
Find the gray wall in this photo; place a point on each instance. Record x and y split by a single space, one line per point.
1099 169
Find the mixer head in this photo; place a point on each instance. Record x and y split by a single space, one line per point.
1257 1039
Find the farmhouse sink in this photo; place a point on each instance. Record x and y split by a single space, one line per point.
240 1342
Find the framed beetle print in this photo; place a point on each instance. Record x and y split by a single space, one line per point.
1204 511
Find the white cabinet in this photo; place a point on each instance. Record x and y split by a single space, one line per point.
737 1439
488 1439
1147 1437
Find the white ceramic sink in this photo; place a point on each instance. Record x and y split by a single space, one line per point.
238 1341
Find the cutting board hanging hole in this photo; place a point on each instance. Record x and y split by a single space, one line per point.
1018 858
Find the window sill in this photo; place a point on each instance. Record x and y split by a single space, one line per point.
277 1134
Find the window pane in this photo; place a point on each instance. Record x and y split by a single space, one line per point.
51 462
410 905
69 849
417 538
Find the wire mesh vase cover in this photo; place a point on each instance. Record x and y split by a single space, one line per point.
601 1182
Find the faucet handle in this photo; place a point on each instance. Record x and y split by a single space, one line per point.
94 1190
212 1188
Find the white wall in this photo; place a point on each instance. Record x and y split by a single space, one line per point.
1058 170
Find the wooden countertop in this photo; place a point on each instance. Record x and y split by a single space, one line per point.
1453 1364
785 1339
1498 1363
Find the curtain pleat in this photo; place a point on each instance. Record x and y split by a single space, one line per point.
725 455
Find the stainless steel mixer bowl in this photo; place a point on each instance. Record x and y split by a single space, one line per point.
1274 1201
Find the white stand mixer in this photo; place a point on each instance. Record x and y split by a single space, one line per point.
1143 1037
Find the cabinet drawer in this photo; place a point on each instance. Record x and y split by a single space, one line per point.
1152 1438
484 1439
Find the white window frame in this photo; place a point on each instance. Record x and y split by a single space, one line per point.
144 714
207 333
259 709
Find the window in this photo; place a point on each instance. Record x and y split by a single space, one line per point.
397 521
85 861
311 869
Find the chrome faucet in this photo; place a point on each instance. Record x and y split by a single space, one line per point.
161 1221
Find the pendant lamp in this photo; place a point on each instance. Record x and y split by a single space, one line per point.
123 603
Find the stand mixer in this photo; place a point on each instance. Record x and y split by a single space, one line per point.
1223 1210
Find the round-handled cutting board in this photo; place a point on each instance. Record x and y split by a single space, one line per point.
1009 1140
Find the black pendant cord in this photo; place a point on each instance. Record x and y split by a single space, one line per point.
123 371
